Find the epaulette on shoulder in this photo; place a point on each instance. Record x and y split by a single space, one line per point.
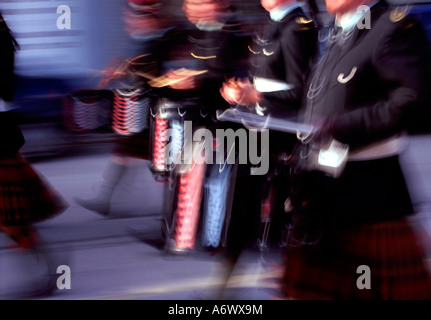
401 17
303 20
399 13
304 23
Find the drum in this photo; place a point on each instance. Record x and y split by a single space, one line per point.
87 111
216 204
185 187
131 108
167 136
183 196
187 214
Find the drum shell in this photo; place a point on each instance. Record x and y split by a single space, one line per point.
131 109
87 111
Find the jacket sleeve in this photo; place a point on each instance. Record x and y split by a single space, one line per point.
298 47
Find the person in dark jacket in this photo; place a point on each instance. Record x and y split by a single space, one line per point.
280 57
353 236
127 76
25 196
211 47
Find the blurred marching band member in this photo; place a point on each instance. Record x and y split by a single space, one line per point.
185 63
206 49
366 91
280 57
145 25
25 196
208 42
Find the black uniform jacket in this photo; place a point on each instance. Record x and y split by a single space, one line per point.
12 138
283 53
219 53
376 84
379 81
7 60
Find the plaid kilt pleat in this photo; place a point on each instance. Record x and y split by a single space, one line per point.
329 269
25 197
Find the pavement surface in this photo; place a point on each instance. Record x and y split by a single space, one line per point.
119 257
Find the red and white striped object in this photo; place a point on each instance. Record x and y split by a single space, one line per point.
130 112
159 143
188 209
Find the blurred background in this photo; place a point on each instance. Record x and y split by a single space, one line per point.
66 119
52 64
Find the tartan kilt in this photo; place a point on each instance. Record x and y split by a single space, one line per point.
25 197
328 270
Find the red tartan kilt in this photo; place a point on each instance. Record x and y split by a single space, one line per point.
25 197
328 270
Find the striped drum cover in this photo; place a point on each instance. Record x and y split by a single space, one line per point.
130 111
215 204
167 127
161 127
86 111
188 207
